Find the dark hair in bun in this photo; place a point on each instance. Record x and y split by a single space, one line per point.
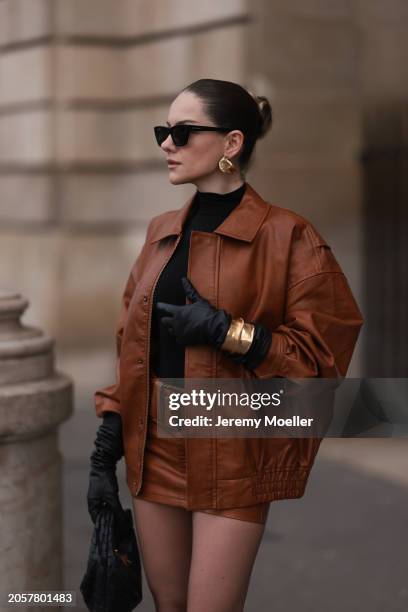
265 112
230 105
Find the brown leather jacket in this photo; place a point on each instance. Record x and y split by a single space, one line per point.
264 263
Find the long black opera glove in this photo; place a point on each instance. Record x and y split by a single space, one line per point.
103 485
196 323
258 350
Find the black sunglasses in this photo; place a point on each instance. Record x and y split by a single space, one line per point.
180 133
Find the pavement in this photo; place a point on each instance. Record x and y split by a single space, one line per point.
342 547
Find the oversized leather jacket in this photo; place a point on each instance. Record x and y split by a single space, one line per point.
263 263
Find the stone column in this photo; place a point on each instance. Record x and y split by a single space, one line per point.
34 400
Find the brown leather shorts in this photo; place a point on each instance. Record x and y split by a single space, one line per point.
164 472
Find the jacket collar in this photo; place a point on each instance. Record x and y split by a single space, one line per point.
242 223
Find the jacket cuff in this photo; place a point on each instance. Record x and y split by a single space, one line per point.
106 400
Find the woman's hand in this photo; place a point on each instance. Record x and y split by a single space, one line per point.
103 487
196 323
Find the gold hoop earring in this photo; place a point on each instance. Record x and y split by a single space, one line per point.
226 165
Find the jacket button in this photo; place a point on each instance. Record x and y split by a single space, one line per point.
140 361
145 299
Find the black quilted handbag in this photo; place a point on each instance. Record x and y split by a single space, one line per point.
113 577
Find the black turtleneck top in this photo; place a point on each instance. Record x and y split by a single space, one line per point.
208 211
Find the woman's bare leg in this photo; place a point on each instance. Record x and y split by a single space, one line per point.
223 555
165 537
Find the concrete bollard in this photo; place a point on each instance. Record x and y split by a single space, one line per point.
34 400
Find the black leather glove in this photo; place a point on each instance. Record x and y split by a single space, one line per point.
258 350
196 323
103 485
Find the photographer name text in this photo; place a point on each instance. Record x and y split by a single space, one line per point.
266 421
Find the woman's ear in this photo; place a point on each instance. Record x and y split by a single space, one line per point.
234 143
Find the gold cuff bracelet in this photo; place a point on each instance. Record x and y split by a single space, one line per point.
239 337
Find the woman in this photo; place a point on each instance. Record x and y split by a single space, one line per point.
228 286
